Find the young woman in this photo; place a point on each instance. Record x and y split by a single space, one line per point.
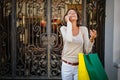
76 40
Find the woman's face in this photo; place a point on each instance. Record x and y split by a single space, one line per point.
72 15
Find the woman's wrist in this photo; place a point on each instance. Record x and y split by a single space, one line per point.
91 39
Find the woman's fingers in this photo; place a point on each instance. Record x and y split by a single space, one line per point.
67 18
93 33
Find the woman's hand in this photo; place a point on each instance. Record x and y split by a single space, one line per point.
67 18
93 35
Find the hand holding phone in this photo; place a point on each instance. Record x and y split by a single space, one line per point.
67 18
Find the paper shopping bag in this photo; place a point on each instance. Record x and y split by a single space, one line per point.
82 71
94 67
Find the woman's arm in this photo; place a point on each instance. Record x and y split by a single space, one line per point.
67 32
88 44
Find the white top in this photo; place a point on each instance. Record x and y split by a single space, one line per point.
74 44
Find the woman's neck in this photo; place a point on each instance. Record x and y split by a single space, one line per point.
75 29
74 26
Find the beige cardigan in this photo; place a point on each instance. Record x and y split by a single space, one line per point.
74 44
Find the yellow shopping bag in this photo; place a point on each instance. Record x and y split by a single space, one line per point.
82 71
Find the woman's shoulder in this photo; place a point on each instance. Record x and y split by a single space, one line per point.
63 28
84 28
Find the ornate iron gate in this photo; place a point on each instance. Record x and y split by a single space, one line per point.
30 39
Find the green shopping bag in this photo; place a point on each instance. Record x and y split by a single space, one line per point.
94 67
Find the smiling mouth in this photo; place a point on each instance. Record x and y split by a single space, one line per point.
73 16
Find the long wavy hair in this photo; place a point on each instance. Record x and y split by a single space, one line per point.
78 17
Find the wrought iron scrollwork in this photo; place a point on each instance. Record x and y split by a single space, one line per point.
5 51
35 61
4 68
38 53
96 20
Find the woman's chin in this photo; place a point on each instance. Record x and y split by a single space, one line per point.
73 19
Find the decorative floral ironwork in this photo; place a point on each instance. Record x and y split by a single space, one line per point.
5 54
91 10
39 53
96 20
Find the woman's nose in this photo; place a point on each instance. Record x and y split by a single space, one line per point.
72 14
